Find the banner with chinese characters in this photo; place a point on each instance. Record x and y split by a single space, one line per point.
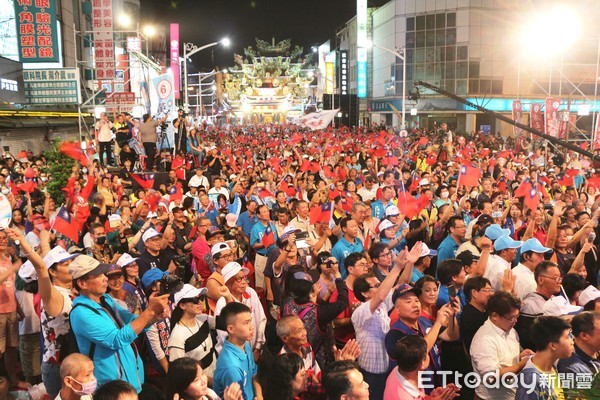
37 35
564 117
52 86
175 57
104 46
120 101
536 118
517 115
551 116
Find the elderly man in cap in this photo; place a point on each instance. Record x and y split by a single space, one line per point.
532 253
154 255
103 330
235 278
505 253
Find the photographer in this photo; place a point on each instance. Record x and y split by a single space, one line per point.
182 126
149 137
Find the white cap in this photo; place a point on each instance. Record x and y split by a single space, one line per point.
152 214
125 260
232 269
385 224
231 220
149 234
392 211
27 272
424 182
590 293
114 217
57 255
558 306
211 148
426 251
289 230
189 292
219 247
232 176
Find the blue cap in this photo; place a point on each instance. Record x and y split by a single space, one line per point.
494 231
506 242
152 276
534 245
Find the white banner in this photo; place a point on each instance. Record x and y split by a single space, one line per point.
317 120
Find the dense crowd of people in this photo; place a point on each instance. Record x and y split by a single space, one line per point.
273 262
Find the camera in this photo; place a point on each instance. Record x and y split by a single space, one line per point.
329 263
181 260
170 284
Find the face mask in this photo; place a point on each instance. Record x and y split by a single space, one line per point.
444 195
87 388
44 179
84 170
5 190
101 240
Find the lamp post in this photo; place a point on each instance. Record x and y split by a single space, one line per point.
189 49
401 54
200 80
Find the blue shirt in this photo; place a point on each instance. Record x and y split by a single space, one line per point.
246 222
114 357
341 250
235 365
416 275
446 249
378 209
444 298
256 235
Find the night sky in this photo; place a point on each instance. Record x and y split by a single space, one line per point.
307 23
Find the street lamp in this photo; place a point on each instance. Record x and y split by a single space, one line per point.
401 54
189 49
149 31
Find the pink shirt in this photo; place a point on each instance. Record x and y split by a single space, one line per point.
397 387
8 301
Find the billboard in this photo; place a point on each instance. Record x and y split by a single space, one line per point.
37 35
52 86
11 81
104 45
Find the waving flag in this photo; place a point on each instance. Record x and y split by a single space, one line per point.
468 176
523 188
146 181
532 197
321 213
66 225
175 192
347 202
317 120
268 237
74 151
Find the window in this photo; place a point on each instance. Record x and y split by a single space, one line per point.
451 36
410 40
451 20
450 70
430 21
421 23
473 69
450 53
461 87
473 86
410 24
420 39
485 86
462 70
462 53
440 21
497 86
430 42
440 37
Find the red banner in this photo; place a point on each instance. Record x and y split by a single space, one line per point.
563 124
552 121
175 57
536 119
517 115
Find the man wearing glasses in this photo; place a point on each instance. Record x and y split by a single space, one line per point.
236 279
496 349
221 255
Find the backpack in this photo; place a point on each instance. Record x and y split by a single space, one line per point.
69 343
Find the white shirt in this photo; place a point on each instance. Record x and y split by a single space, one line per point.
259 319
371 329
199 181
494 270
491 349
104 132
366 194
221 190
524 281
181 333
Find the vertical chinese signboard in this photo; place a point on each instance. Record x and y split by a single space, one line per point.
552 120
361 51
37 30
104 47
175 57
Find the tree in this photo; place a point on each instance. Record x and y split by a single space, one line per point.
59 169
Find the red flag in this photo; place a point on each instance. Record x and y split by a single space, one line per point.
268 237
314 166
74 151
146 181
347 202
177 164
390 161
28 186
423 141
532 197
175 193
66 225
152 200
523 189
594 181
305 165
321 213
264 193
469 176
410 206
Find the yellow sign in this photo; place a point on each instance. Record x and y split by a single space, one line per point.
329 77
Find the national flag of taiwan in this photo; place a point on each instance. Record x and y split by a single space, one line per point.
175 192
152 199
532 197
321 213
66 225
347 202
74 151
268 237
469 176
146 181
523 188
264 193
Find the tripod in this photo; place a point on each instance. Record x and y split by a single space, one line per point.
164 144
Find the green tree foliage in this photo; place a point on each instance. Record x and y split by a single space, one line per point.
59 169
